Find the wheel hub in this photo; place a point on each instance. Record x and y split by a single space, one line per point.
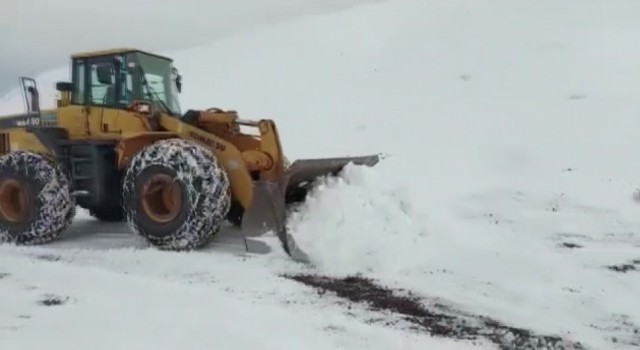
161 198
14 201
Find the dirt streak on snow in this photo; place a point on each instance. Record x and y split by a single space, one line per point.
196 300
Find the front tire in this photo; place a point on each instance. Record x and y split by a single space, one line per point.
36 205
175 195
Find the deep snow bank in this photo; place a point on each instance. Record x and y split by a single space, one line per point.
31 27
508 135
510 128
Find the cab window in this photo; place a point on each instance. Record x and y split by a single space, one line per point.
102 84
78 93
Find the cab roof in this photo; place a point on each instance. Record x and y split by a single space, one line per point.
115 51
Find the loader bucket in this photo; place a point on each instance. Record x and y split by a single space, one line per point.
302 173
268 211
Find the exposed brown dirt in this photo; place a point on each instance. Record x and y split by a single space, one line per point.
633 265
437 319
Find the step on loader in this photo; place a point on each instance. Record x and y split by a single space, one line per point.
118 144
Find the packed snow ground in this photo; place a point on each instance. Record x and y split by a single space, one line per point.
509 129
136 298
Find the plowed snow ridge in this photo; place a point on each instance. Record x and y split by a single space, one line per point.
510 129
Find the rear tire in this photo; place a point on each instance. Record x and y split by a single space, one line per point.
36 205
192 199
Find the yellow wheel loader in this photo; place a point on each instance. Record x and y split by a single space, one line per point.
119 145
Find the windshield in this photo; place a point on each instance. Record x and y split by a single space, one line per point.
157 81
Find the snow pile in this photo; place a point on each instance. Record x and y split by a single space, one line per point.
385 238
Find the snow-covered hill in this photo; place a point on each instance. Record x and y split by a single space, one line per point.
30 27
509 129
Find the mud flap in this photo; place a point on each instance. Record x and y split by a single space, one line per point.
268 210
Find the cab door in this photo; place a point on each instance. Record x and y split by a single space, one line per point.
106 96
73 117
94 108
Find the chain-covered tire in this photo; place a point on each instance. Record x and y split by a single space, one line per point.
36 205
175 194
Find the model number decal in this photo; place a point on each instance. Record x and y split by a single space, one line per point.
31 121
209 142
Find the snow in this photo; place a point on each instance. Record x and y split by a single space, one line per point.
107 309
27 27
508 129
137 297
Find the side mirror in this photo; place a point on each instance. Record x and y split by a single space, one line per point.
105 74
64 86
177 78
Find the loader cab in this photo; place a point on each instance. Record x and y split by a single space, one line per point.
115 79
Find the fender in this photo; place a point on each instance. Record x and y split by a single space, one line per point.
239 178
130 144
